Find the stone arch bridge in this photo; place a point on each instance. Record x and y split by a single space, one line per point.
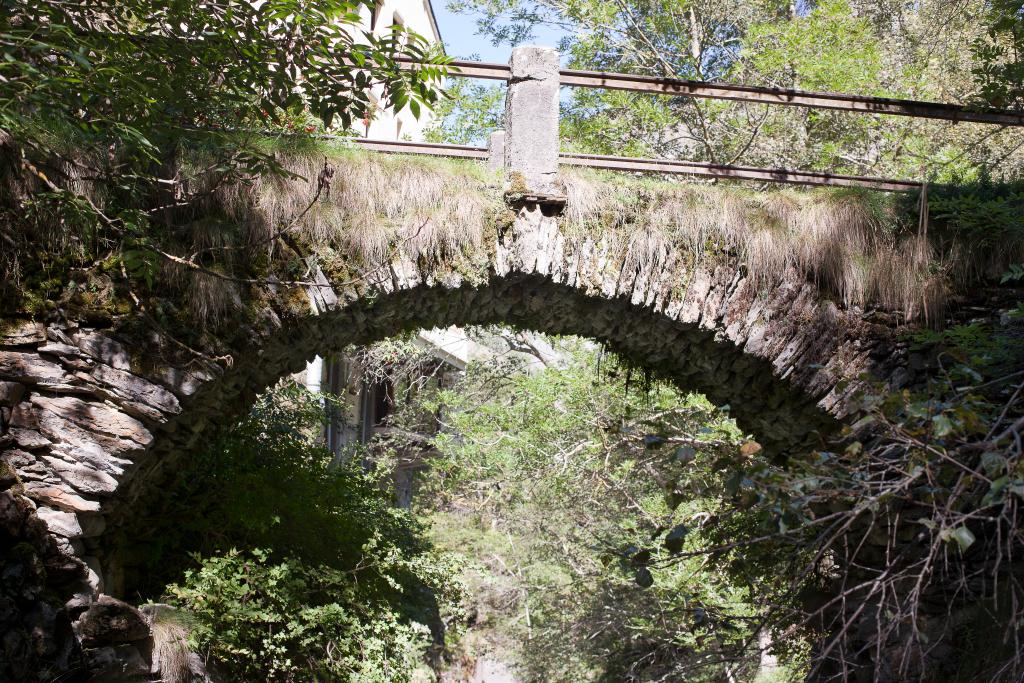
90 413
96 408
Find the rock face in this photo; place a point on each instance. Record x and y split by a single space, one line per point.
87 415
109 621
109 640
35 631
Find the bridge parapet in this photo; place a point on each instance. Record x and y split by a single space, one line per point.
531 125
496 151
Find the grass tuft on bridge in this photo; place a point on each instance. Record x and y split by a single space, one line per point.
866 248
356 210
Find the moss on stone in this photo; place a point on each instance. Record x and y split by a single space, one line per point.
9 479
516 188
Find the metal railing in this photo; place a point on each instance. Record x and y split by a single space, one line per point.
662 166
702 89
726 171
679 87
426 148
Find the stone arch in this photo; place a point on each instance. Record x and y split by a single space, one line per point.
92 414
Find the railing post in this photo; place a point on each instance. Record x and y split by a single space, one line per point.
496 151
531 125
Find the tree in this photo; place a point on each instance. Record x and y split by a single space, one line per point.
297 569
118 118
879 48
999 55
468 113
569 490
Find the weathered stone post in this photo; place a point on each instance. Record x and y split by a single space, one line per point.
531 125
496 151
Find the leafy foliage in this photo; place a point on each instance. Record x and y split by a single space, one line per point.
303 569
912 50
633 535
103 105
1000 67
284 621
138 69
828 49
981 211
571 491
911 518
468 113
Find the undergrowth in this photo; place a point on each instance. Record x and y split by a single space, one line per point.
284 566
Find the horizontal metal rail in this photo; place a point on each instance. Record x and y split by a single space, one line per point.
469 69
666 166
793 98
427 148
748 93
774 175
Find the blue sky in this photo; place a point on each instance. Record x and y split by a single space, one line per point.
461 39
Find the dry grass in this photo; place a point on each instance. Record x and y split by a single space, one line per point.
370 209
852 244
862 248
380 205
859 246
29 227
374 207
170 644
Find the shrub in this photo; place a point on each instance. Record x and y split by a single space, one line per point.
301 568
285 620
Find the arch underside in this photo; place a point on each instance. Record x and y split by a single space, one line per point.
784 417
780 416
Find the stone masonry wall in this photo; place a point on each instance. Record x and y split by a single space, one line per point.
92 415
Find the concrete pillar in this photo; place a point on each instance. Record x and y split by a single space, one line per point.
531 126
496 151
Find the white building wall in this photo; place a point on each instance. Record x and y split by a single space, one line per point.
417 16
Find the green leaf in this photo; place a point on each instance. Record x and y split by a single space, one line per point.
675 538
81 60
942 426
961 535
992 463
1013 274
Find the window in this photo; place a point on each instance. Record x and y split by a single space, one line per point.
397 21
